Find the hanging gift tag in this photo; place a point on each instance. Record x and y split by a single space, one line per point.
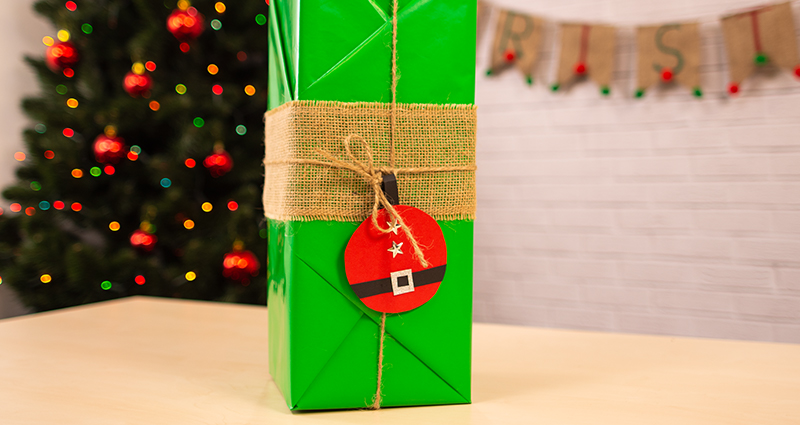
381 267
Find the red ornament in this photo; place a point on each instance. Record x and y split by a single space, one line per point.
136 85
240 266
109 150
218 163
143 241
510 55
185 25
666 75
580 68
733 88
61 55
382 269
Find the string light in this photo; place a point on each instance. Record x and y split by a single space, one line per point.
30 211
155 105
139 280
184 47
20 156
216 89
216 24
190 163
59 205
190 276
36 186
71 6
198 122
77 173
49 154
87 28
1 280
263 233
249 90
261 19
40 128
114 226
242 56
212 69
137 68
72 102
76 206
95 171
219 7
165 182
15 207
44 205
1 210
133 156
62 35
46 278
109 169
241 130
48 41
68 132
61 89
150 66
207 207
106 285
183 4
188 224
233 205
69 73
180 89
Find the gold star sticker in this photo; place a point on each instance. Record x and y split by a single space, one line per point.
394 226
395 249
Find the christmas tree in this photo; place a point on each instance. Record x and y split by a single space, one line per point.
142 172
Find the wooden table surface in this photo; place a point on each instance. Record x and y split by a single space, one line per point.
150 361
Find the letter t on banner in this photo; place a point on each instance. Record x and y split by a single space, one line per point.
757 38
517 41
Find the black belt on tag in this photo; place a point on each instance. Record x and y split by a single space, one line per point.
384 286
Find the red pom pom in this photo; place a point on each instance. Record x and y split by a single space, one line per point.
137 85
109 150
797 71
185 25
733 88
61 56
580 68
510 55
143 241
240 266
218 163
666 75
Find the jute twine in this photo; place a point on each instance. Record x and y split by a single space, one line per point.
313 173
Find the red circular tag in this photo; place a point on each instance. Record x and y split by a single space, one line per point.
382 269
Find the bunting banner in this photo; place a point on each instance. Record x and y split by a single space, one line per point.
517 41
587 51
757 38
482 19
668 54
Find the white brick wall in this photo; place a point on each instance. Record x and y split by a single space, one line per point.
666 214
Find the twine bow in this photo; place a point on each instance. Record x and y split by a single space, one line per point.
374 177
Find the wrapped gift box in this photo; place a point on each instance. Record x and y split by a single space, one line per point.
323 340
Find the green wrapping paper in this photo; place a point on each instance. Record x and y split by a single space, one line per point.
323 341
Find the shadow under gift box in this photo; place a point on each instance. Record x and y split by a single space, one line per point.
323 341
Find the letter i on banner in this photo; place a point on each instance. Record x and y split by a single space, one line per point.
668 54
517 41
587 51
760 37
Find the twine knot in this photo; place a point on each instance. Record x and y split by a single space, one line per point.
374 177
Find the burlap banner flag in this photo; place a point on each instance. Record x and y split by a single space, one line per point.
517 42
669 54
757 38
482 19
586 51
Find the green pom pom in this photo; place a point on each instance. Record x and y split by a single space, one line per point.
489 71
760 59
698 92
639 93
555 87
529 80
605 90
